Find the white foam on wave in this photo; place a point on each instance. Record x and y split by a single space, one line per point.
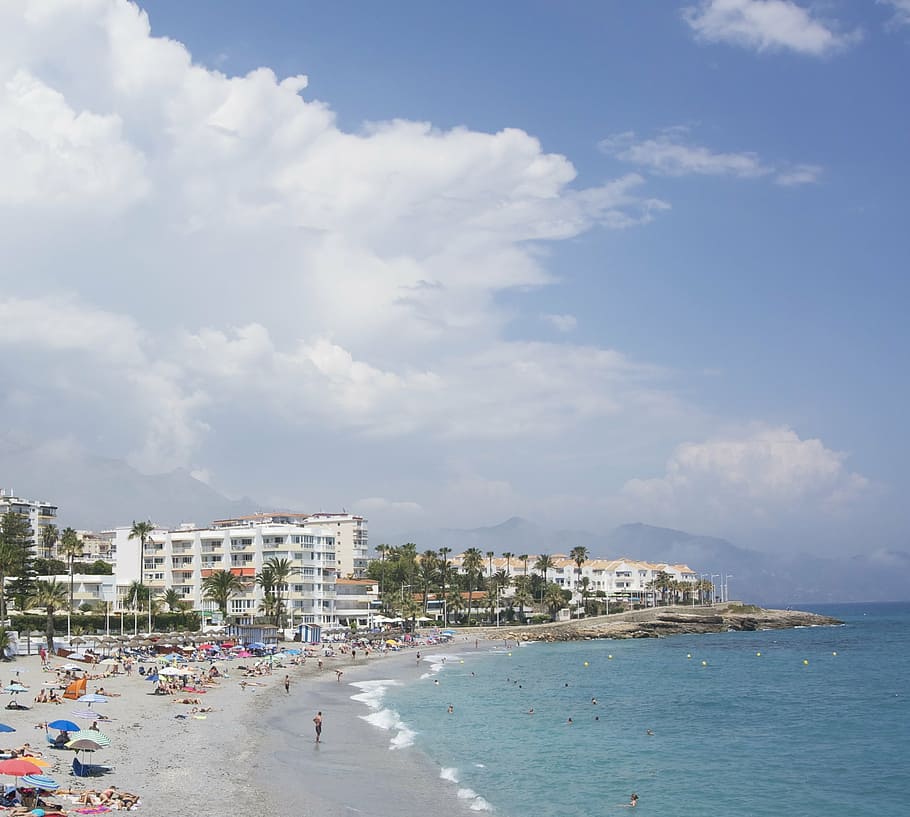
373 692
390 721
449 773
477 802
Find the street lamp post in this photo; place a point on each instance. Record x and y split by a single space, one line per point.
727 586
713 588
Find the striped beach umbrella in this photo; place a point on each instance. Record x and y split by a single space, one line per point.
39 781
90 734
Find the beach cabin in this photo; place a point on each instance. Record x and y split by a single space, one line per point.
253 633
309 633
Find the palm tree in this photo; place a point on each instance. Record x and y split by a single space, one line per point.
282 570
472 564
444 572
554 599
141 531
219 586
265 578
544 565
523 594
455 601
427 571
137 594
174 601
585 591
524 558
71 546
508 556
579 555
52 597
49 537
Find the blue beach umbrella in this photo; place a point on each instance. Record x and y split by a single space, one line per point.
16 687
5 728
64 726
39 781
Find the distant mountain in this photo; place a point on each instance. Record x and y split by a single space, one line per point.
94 493
757 577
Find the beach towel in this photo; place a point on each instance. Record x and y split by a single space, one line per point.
93 810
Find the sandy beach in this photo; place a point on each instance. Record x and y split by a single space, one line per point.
255 753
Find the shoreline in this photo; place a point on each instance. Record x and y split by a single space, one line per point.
255 753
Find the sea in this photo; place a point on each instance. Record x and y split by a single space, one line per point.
809 721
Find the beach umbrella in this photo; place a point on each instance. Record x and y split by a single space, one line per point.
5 728
92 698
174 671
16 687
64 725
40 782
87 714
77 640
37 761
84 745
18 767
93 736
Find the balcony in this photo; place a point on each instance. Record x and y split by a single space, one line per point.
242 572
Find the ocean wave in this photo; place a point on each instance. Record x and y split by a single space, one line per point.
373 692
477 802
449 773
390 721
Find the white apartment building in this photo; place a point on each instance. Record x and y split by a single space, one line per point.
180 560
355 602
351 545
618 579
349 530
39 514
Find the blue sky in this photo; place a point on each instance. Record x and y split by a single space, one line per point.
692 314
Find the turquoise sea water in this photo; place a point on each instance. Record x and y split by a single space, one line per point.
742 734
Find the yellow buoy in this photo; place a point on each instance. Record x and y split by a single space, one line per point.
834 653
510 654
806 661
689 655
586 663
758 654
461 662
610 657
704 663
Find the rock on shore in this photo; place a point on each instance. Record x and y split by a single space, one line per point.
663 621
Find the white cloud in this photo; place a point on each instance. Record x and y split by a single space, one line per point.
183 201
798 175
561 323
758 478
901 9
669 154
766 25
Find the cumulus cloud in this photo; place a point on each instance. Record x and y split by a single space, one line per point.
236 251
766 25
671 154
759 477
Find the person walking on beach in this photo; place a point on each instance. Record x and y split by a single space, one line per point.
287 684
317 722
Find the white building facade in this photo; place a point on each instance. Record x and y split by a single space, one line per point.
39 515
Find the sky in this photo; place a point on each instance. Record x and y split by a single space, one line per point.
442 264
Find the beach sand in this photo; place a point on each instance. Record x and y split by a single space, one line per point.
256 753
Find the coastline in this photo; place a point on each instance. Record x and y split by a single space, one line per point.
255 753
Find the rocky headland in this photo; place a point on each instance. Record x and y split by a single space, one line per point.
658 622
